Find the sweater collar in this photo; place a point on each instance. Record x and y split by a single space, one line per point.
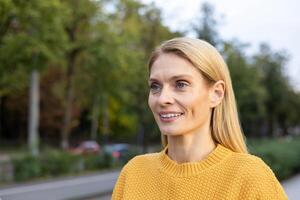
169 166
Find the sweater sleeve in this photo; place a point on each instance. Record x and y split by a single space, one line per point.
270 188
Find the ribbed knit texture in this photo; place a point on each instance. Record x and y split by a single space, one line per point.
223 174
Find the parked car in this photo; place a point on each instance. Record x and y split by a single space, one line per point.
86 147
118 151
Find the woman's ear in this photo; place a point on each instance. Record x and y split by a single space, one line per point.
217 91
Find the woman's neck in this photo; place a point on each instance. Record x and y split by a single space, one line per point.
190 147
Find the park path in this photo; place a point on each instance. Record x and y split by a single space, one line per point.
82 187
292 187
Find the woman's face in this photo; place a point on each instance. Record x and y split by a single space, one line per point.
179 96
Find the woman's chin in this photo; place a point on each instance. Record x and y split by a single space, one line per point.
169 132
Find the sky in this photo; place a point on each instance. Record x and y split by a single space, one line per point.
276 22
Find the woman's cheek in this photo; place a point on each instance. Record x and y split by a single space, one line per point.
151 102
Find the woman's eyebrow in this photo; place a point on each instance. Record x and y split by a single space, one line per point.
173 77
152 80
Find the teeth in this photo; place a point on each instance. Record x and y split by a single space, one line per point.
169 115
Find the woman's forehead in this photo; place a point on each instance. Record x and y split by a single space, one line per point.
171 66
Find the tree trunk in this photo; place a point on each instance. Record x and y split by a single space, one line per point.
33 138
270 125
95 117
105 120
69 100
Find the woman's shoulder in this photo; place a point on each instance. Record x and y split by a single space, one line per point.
250 166
247 160
256 174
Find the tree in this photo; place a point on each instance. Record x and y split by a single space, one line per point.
247 85
34 32
206 25
270 64
120 77
79 20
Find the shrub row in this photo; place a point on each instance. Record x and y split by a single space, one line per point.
55 163
282 155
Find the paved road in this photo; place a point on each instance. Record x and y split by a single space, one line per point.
292 187
73 188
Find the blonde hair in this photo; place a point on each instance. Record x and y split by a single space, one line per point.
225 126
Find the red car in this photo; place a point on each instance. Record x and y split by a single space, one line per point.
86 147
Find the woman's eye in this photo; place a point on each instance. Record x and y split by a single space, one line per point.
181 84
154 87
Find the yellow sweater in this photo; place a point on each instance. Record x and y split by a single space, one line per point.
223 174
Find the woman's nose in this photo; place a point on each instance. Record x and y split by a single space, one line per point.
165 97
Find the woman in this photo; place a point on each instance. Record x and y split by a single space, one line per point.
204 155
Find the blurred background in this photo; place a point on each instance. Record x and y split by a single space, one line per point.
73 83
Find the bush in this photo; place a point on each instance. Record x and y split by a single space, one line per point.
26 167
282 155
94 162
54 163
130 154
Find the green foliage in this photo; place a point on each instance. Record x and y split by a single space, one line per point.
130 154
279 103
53 163
249 91
96 162
31 38
206 26
27 167
116 67
282 155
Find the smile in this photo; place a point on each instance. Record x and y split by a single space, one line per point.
167 117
